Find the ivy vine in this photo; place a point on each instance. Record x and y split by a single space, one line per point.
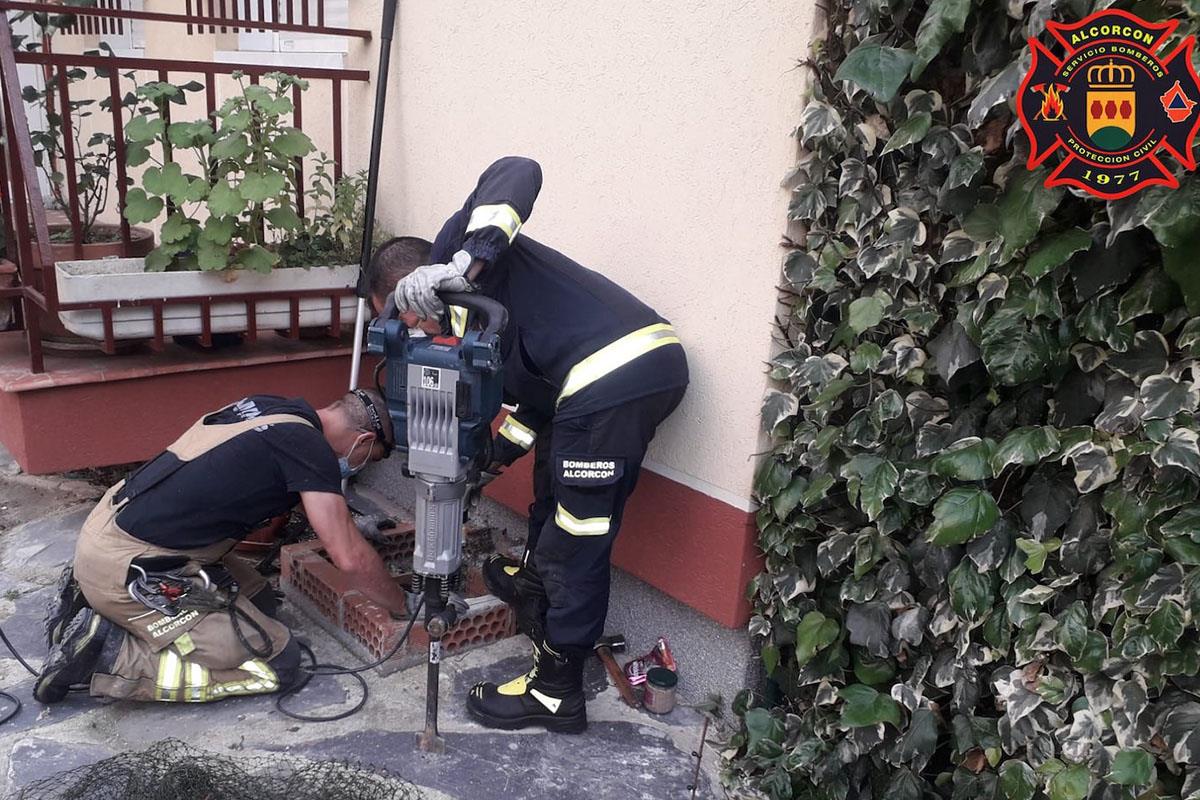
980 516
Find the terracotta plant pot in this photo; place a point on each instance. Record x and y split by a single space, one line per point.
54 335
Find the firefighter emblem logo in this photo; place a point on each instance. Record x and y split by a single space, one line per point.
1110 104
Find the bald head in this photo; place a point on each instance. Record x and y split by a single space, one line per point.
355 419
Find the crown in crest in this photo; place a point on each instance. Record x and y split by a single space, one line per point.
1110 76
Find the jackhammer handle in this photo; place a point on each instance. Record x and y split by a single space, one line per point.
494 314
618 677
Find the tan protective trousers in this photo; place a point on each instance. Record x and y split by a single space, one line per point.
193 657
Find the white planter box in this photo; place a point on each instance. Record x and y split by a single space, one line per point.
121 279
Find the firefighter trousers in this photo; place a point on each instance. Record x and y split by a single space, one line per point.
195 656
585 469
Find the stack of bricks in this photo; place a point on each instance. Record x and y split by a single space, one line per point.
329 597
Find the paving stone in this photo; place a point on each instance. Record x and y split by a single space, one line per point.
34 758
24 627
44 545
34 716
615 759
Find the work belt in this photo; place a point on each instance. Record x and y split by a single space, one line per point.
613 356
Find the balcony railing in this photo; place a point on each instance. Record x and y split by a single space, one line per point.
25 220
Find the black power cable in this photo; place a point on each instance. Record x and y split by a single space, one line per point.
9 697
314 670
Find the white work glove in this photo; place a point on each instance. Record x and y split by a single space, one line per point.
416 291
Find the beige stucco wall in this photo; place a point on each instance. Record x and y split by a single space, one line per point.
663 134
662 130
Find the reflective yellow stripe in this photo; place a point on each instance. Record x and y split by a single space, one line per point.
170 675
263 682
458 320
196 688
616 355
592 526
502 216
518 434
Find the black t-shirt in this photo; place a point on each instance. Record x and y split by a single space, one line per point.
235 487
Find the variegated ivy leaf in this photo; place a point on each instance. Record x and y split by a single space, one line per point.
876 481
953 350
962 514
1179 450
1025 447
968 459
1094 466
1088 356
818 120
1164 397
777 407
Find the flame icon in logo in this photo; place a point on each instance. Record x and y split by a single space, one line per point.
1052 109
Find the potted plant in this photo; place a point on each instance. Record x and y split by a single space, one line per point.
230 225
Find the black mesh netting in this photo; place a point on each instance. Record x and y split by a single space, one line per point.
171 770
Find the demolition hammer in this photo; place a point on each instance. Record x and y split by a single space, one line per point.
442 394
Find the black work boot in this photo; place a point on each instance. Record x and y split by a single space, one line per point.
74 658
63 605
550 695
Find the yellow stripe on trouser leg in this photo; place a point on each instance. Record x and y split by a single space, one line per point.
616 355
502 216
591 526
195 688
263 682
170 675
520 435
458 321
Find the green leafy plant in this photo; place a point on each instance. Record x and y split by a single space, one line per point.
981 512
232 213
333 228
94 151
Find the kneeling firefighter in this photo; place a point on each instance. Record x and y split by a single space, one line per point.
593 371
155 606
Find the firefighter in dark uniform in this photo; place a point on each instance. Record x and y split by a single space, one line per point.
592 372
156 607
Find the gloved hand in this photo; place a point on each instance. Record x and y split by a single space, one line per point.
416 290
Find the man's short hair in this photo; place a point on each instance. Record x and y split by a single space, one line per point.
396 258
358 415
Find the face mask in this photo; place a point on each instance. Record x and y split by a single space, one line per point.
344 465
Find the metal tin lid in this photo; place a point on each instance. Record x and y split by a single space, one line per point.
662 677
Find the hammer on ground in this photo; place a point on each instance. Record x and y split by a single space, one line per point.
605 647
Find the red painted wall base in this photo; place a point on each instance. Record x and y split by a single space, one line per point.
96 410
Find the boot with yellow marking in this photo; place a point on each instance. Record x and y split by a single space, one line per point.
549 695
